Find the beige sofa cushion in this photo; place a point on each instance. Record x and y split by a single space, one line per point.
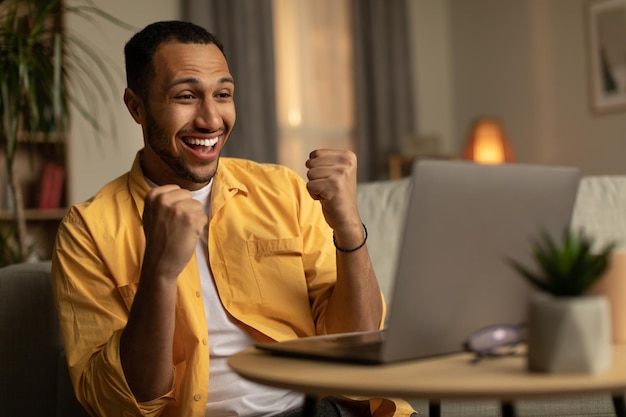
382 206
600 209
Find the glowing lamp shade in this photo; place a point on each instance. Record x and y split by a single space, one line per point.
487 143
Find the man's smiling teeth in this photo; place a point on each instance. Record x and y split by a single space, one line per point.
202 142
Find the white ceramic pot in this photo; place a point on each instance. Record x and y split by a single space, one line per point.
569 334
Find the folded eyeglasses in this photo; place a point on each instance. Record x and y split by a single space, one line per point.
496 340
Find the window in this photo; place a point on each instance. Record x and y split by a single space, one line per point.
314 78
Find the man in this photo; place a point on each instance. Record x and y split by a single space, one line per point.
190 257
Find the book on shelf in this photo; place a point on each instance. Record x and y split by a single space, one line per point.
51 186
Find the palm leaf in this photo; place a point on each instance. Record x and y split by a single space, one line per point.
44 72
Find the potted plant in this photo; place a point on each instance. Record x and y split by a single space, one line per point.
569 330
43 70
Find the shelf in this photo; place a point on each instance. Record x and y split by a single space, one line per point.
39 138
36 214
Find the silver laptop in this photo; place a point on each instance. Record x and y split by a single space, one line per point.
452 278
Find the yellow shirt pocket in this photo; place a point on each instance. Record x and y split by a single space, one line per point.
279 273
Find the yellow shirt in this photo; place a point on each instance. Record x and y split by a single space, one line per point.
274 276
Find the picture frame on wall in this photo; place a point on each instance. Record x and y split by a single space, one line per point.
606 24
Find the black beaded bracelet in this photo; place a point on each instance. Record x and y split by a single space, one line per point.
354 249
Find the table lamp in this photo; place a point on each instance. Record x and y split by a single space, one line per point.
487 143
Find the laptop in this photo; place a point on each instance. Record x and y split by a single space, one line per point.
463 221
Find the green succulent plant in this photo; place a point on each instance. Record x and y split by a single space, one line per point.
567 268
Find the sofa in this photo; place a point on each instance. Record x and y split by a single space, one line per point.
34 380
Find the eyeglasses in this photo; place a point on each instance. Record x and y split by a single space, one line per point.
497 340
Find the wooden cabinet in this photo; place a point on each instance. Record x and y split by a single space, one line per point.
400 165
41 170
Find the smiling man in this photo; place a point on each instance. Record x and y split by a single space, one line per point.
189 257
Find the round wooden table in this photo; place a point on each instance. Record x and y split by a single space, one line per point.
456 376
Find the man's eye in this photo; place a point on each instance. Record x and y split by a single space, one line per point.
224 95
185 96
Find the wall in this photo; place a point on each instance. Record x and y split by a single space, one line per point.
432 62
570 132
95 161
522 60
525 61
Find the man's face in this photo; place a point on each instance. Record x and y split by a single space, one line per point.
188 114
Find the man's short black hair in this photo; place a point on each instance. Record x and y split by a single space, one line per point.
139 50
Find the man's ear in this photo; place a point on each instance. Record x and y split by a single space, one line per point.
135 106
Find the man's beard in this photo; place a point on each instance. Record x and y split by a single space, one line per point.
159 141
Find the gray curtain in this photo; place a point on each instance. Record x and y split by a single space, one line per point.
383 83
245 29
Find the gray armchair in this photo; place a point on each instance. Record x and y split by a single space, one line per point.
34 381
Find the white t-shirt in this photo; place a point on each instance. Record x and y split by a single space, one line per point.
229 394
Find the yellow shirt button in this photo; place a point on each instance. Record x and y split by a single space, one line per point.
197 397
204 342
198 294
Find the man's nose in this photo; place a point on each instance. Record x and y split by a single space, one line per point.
208 116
